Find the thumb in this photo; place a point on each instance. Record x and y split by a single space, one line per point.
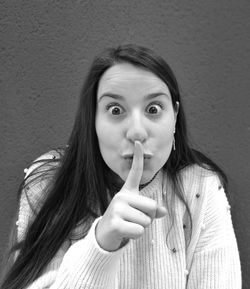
160 212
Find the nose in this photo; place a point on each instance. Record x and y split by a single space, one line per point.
136 129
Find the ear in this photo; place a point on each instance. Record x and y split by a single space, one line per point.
176 109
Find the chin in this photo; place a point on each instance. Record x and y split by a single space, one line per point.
146 177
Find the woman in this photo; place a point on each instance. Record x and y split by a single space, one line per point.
128 204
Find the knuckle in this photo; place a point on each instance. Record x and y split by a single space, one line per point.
140 230
121 196
148 221
145 220
118 209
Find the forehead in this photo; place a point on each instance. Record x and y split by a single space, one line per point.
125 76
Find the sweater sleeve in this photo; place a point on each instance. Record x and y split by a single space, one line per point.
215 262
83 265
33 193
77 264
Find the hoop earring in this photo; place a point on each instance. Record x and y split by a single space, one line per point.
174 148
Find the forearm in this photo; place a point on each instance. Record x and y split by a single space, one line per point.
84 265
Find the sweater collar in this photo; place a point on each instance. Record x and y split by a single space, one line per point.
154 185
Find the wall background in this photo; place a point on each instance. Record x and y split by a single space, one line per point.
47 46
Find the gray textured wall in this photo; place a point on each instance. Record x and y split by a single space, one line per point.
46 47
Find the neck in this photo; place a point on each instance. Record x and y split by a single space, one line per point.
116 182
142 186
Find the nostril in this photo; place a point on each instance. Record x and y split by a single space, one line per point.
137 133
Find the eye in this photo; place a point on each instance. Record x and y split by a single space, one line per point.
114 109
154 108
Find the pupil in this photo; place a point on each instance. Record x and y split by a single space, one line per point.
116 110
152 109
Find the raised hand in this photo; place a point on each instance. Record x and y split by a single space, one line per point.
129 213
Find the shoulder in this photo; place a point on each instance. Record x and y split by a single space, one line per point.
44 161
39 175
206 198
204 185
196 177
205 192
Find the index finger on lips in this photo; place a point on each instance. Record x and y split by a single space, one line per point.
134 177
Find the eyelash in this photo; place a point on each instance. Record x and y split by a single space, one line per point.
110 105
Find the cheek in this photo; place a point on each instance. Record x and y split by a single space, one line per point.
107 138
164 149
164 140
102 131
164 132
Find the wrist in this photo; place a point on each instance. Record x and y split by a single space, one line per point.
107 244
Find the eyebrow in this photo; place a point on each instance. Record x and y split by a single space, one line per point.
120 97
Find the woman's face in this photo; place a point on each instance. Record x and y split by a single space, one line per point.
134 104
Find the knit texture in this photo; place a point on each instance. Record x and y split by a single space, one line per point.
161 258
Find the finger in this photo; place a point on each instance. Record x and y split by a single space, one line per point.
136 216
144 204
160 212
134 177
131 230
147 206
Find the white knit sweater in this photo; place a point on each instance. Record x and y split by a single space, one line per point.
209 260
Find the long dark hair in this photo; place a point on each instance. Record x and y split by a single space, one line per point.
78 183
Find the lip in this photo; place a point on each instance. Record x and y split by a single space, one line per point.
130 156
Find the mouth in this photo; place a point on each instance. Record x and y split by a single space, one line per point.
130 156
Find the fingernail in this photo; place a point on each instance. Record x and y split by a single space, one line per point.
138 145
